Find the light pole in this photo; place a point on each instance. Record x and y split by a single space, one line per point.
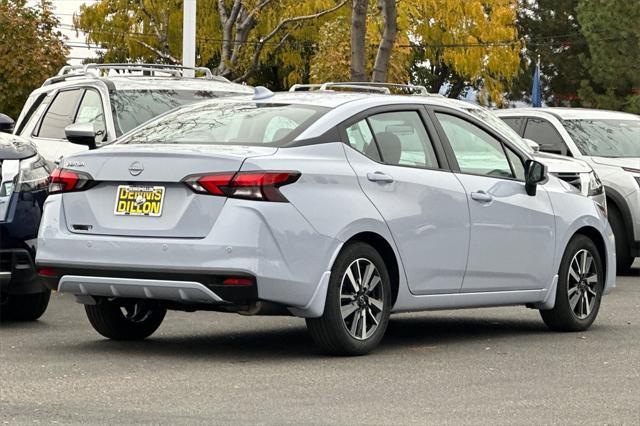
189 37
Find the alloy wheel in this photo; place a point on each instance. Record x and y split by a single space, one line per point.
582 281
361 298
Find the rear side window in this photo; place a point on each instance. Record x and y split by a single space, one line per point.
361 139
59 115
515 123
546 135
403 139
229 123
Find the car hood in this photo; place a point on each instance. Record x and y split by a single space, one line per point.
628 162
15 148
560 164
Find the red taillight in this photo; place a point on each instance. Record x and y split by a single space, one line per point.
63 180
255 185
237 281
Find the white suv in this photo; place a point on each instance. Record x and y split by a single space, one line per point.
104 101
610 142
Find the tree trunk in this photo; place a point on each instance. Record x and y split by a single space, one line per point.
389 16
358 32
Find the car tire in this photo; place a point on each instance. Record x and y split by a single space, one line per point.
125 320
624 260
579 289
366 307
26 307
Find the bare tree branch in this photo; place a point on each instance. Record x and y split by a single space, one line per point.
158 52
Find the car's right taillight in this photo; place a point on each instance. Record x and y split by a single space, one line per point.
63 180
252 185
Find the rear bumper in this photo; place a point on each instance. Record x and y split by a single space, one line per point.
271 242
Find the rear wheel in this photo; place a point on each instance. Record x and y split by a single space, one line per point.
26 307
125 320
579 290
624 260
357 307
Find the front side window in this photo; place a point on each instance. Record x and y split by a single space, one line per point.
543 132
403 139
59 115
606 138
229 123
476 151
91 111
514 123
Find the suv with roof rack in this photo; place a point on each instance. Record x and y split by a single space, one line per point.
93 104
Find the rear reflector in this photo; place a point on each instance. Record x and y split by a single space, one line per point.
63 180
254 185
237 281
47 272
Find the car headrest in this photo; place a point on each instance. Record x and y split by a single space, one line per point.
390 146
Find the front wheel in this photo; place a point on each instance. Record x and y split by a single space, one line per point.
579 290
125 319
357 307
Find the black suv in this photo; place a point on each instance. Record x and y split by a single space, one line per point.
23 189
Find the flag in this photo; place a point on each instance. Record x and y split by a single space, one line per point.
536 89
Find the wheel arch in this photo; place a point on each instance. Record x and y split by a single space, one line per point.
385 249
594 235
617 201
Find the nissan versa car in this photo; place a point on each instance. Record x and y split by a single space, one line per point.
337 207
24 178
610 142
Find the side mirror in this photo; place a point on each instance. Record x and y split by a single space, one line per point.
81 134
536 173
535 146
6 123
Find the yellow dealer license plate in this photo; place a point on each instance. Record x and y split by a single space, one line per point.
139 200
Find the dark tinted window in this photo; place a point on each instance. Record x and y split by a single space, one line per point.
543 132
232 123
134 107
403 139
59 115
515 123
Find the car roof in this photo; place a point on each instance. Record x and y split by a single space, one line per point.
573 113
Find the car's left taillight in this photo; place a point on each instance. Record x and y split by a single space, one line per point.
63 180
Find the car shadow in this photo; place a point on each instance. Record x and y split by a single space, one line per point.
295 343
633 272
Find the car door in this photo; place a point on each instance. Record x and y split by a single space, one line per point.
512 241
405 176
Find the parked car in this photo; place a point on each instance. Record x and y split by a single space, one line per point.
23 188
610 142
337 207
100 102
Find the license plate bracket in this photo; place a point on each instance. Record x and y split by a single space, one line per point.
139 200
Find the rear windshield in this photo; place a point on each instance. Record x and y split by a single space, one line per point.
606 138
134 107
233 123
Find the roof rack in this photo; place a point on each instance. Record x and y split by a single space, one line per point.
364 86
96 70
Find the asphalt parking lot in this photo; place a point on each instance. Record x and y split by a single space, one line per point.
458 367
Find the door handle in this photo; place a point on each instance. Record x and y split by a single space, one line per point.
379 177
481 196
